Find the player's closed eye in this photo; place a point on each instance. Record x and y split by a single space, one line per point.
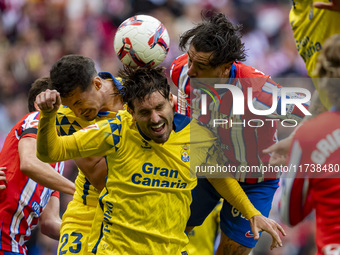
144 113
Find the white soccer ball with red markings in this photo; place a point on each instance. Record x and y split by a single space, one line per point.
141 40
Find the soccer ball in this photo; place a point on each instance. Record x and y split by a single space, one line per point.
141 40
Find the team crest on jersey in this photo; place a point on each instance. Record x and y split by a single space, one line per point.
185 153
145 145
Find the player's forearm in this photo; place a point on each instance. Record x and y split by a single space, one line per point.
231 190
50 219
46 176
51 228
40 172
51 147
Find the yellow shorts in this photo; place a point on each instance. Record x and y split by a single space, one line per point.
75 228
96 229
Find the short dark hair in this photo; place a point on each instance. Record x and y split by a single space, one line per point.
38 86
141 82
218 35
71 72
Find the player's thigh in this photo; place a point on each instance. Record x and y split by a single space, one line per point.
75 228
228 246
204 200
233 223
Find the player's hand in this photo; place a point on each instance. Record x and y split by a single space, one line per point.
279 151
259 223
333 5
2 178
48 101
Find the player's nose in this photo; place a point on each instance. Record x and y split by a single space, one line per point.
154 117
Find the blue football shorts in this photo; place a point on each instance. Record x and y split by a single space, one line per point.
233 224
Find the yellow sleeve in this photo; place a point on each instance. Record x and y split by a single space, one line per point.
51 147
231 191
94 140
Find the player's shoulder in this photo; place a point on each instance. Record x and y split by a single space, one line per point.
200 132
31 116
180 60
67 122
121 118
30 120
246 71
65 111
177 67
319 126
252 77
181 122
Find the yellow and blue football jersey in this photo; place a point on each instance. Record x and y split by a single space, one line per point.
148 188
78 217
147 195
311 27
149 185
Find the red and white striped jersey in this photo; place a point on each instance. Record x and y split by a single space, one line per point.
23 201
243 137
313 182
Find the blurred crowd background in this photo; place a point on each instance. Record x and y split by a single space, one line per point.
36 33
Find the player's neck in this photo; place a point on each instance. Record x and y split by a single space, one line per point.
112 101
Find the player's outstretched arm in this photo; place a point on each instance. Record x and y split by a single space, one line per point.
279 151
50 219
39 171
260 223
231 191
50 147
333 5
2 178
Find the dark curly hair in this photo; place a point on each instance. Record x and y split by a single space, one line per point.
38 86
141 82
70 72
216 34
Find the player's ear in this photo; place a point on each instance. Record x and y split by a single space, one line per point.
226 68
36 106
97 83
171 99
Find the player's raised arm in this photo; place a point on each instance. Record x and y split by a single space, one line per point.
50 147
231 190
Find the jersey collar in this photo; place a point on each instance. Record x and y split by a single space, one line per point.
232 73
109 76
